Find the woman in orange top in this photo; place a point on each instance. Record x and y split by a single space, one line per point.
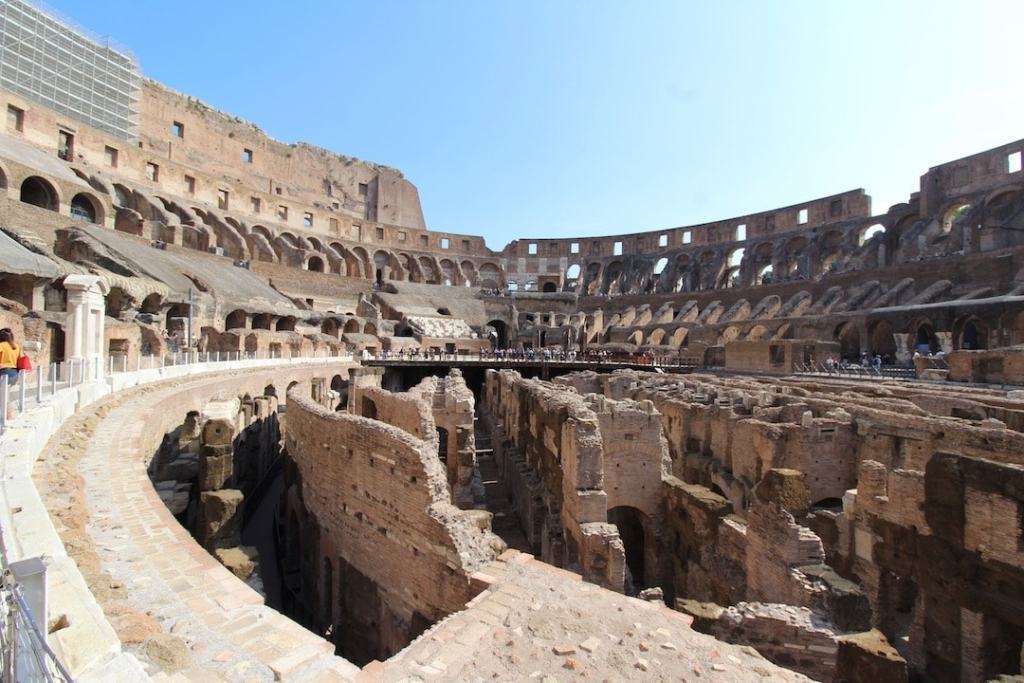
9 352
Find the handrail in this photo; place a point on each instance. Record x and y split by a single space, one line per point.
25 655
19 632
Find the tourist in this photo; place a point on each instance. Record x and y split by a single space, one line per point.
9 353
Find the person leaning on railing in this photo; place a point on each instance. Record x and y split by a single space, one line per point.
9 353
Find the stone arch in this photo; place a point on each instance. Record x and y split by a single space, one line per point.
1002 197
286 323
364 262
758 333
953 213
262 230
152 304
866 233
830 246
848 336
431 276
655 337
679 337
925 339
796 257
549 287
382 269
612 275
40 192
785 331
262 321
86 207
684 274
1014 328
469 273
351 263
330 327
639 542
881 340
592 278
490 276
370 328
500 337
706 272
970 333
449 272
236 319
174 320
730 333
117 302
315 264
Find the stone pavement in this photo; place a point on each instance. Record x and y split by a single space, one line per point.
181 613
537 622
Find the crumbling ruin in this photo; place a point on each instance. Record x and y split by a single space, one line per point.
294 434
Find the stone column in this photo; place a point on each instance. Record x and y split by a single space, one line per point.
84 337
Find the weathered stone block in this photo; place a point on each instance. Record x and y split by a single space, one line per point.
220 518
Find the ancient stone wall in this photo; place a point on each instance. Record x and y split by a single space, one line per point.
555 463
392 554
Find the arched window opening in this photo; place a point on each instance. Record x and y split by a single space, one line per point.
953 215
660 265
38 192
316 264
550 287
83 209
926 340
261 321
871 231
883 342
974 336
236 320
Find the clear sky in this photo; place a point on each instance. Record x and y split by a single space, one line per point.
550 119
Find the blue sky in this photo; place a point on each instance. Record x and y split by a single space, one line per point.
552 119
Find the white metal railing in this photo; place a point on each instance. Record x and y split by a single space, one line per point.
35 386
25 655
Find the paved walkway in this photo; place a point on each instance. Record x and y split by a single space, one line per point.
184 615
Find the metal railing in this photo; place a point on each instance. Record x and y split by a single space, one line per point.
853 370
26 656
34 386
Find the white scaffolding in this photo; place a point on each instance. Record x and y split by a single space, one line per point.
45 59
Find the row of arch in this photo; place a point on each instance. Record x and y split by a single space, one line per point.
39 191
968 332
898 236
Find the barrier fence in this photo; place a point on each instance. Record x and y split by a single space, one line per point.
25 655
